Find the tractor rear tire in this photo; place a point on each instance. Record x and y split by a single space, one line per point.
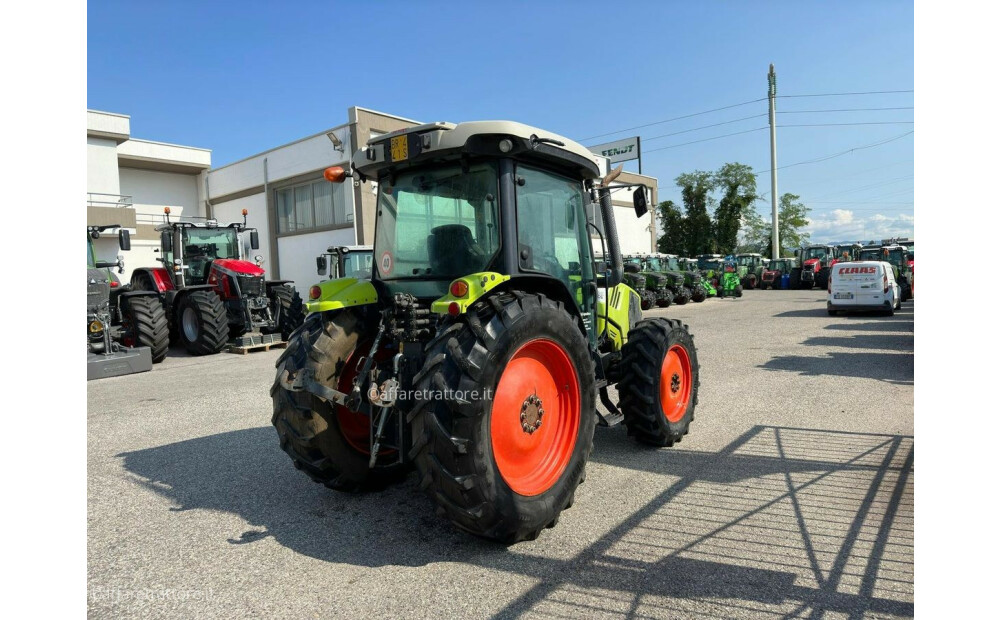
738 291
477 459
292 310
327 442
823 277
202 325
144 324
698 294
659 384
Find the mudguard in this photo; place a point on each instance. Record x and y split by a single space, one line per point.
342 293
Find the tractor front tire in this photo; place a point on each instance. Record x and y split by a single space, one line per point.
738 291
682 296
698 294
144 324
503 458
292 310
794 279
666 300
202 325
659 384
327 442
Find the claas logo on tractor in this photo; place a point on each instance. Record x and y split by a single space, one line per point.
496 358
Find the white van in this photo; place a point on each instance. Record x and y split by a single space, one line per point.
862 285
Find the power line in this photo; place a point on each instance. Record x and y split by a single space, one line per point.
677 133
869 186
673 146
854 202
868 92
847 176
676 118
843 110
847 152
850 124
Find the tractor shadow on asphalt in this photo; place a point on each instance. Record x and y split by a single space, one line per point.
905 313
896 368
710 532
886 342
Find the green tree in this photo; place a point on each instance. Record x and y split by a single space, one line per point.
739 191
695 189
755 234
792 218
671 223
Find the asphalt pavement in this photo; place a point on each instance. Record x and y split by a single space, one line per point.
792 495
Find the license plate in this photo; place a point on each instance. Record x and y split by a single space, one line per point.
843 295
399 148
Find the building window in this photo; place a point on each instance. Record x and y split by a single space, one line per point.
310 206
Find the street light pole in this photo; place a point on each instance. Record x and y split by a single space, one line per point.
772 91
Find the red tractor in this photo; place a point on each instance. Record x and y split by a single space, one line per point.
816 262
210 293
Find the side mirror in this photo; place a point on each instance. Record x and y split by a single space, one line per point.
167 241
321 265
254 240
639 201
124 241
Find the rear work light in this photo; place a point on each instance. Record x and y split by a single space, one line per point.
315 292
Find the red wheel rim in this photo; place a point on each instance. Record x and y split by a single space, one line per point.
354 426
675 383
539 376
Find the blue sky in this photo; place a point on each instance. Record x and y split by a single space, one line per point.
240 78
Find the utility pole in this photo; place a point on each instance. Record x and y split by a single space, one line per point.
772 91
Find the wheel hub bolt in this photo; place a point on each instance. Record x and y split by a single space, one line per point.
531 414
675 383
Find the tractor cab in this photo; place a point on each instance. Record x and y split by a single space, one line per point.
346 261
472 207
198 253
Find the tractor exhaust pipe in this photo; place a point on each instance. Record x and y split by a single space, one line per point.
610 231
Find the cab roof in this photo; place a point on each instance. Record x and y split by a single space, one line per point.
430 140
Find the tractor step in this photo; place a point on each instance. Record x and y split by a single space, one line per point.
256 342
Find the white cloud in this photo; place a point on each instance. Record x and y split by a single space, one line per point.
845 225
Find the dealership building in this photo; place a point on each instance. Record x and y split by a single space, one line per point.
298 214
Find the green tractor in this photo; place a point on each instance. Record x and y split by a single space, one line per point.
729 280
750 269
635 280
477 348
657 285
692 280
345 261
690 265
672 280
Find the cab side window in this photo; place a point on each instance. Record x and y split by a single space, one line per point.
551 226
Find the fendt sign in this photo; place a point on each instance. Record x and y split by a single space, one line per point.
619 150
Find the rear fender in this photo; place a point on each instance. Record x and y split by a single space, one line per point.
342 293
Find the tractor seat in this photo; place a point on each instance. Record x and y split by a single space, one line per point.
452 250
